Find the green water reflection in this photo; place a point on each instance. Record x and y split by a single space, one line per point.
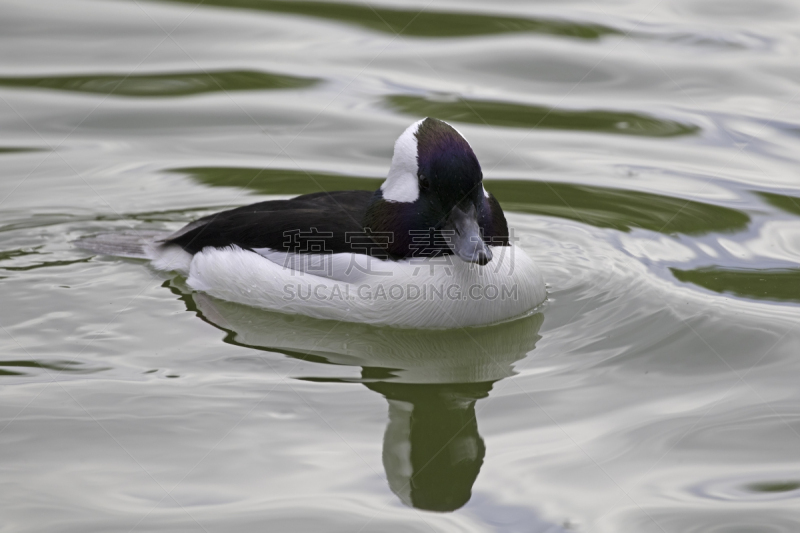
774 486
598 206
46 264
420 22
790 204
432 449
764 284
10 254
17 150
16 367
170 84
620 209
511 115
278 181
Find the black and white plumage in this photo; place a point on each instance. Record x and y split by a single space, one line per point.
325 219
440 193
430 228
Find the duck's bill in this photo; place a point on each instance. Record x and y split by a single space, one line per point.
464 236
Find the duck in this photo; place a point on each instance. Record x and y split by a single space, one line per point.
430 249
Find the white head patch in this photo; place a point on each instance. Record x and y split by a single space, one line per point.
401 183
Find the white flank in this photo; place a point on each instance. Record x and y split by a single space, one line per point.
435 293
401 183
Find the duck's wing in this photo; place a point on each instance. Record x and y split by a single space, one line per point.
313 223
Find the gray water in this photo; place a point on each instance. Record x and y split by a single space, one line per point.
646 154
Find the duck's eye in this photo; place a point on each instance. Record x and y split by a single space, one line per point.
423 182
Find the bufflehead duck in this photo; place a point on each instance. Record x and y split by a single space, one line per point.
429 249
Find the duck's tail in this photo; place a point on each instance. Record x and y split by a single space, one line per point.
135 244
139 244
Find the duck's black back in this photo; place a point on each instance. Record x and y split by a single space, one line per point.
324 222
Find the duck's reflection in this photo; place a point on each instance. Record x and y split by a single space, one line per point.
432 450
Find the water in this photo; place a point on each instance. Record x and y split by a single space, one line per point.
646 155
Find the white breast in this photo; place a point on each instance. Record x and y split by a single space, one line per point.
440 292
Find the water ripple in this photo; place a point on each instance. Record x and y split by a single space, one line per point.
761 284
420 22
167 84
497 113
761 487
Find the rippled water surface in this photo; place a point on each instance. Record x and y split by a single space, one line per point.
646 154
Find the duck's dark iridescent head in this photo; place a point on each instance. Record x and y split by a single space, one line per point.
435 183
